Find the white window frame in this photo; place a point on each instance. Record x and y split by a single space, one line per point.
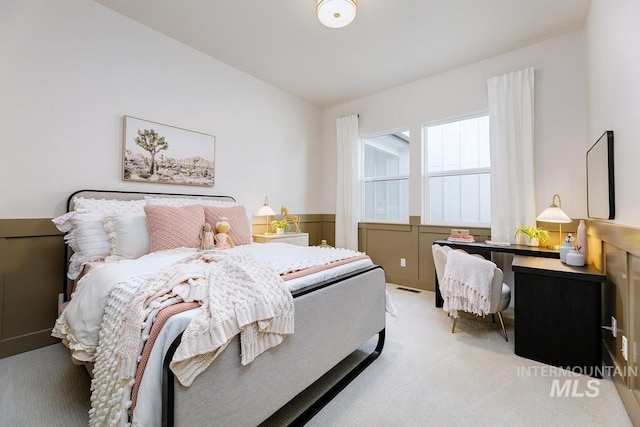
387 178
458 172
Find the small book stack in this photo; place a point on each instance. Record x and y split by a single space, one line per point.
458 235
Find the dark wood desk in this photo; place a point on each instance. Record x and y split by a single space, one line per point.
557 314
486 251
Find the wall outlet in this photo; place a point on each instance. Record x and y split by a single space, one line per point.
403 262
614 326
625 348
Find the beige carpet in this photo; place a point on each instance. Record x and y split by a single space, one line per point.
425 376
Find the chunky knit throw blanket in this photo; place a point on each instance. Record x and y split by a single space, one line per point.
466 284
237 295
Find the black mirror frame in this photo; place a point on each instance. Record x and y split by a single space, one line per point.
606 138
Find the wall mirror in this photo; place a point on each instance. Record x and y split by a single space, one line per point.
600 185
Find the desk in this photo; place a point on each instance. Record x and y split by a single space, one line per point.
486 251
557 313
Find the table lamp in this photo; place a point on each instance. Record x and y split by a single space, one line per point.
555 214
265 210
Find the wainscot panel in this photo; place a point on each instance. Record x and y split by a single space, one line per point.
31 279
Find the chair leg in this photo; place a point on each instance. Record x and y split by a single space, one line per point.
504 331
453 328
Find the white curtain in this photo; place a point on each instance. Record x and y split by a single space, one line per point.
511 117
347 193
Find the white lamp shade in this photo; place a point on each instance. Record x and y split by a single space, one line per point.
265 210
554 213
336 13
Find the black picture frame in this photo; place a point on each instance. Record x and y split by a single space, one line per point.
600 178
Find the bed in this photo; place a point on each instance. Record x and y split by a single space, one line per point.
339 299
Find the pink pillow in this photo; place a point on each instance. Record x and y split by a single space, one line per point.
174 227
240 232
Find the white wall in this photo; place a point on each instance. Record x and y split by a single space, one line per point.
612 37
72 68
560 115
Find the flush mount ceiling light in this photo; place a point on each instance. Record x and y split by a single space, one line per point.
336 13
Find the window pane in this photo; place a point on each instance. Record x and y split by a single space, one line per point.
458 145
386 155
460 199
386 200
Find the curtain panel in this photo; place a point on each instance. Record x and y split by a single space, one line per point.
511 117
347 191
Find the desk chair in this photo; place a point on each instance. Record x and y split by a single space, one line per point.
500 292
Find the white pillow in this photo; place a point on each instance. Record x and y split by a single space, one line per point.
85 235
173 201
110 207
128 236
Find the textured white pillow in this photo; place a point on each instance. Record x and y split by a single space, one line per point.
128 236
85 235
110 207
173 201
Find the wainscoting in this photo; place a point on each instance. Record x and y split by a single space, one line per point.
31 277
387 244
615 250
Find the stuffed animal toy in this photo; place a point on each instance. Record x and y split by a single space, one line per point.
207 240
223 240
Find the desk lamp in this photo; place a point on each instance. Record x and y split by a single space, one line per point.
265 210
555 214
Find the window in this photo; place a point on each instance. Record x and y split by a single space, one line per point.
386 178
457 178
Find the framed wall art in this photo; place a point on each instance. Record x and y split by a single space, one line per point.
158 153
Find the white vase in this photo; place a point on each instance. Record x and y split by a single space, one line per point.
279 230
582 239
575 258
566 247
532 241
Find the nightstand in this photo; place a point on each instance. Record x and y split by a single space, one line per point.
300 239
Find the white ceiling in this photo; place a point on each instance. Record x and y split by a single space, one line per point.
390 43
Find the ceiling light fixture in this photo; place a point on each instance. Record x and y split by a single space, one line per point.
336 13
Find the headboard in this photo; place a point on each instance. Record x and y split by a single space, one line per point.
133 195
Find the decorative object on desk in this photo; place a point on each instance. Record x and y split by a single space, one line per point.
265 210
575 258
294 219
582 239
458 235
280 226
532 234
566 247
495 243
555 214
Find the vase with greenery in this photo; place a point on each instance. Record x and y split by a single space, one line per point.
280 226
533 235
